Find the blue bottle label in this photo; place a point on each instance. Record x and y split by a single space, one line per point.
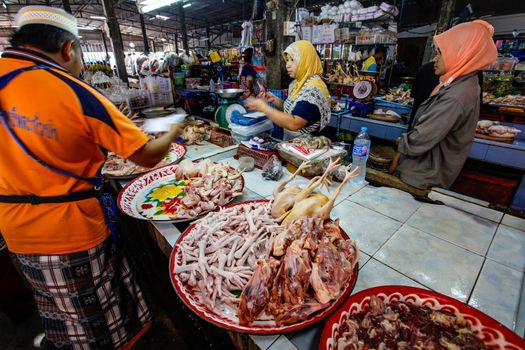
360 150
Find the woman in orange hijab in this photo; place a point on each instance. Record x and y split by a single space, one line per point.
433 153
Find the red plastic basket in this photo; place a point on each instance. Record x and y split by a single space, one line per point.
221 138
261 157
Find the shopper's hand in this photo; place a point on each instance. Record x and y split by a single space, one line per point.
255 104
394 164
177 129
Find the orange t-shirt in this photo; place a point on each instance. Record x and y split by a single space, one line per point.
67 124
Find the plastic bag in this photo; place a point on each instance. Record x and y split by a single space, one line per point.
272 169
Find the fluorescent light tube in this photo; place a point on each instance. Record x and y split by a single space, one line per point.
157 5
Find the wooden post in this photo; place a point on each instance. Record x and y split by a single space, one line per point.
116 38
183 28
445 15
144 34
276 75
67 6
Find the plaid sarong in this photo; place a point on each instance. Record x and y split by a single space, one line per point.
86 300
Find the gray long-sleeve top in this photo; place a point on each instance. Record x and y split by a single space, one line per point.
433 153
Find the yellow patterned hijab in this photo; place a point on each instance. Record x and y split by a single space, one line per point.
309 64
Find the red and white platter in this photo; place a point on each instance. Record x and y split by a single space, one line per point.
156 195
493 333
229 320
119 168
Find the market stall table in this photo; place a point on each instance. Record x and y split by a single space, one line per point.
474 251
510 155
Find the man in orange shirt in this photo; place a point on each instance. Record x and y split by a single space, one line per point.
56 131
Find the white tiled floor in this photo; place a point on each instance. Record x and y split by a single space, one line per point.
391 202
431 261
497 292
369 228
508 247
466 230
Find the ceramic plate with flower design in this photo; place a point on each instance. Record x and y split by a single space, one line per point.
157 196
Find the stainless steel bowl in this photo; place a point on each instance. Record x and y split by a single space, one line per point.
230 93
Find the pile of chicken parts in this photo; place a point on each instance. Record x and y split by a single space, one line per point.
212 185
399 95
283 273
495 129
310 262
195 132
309 266
401 325
217 257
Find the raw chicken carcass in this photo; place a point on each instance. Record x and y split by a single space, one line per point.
256 293
291 283
318 205
299 313
290 201
186 170
332 268
284 197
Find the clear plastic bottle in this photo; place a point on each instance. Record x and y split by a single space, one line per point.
360 153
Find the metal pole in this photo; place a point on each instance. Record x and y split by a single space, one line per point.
144 34
177 43
116 38
183 28
105 45
208 36
67 6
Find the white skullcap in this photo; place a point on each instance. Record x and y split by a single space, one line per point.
51 16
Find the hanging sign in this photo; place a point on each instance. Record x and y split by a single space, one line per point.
214 56
323 34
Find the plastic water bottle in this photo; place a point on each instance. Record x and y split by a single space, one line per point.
212 86
220 84
360 154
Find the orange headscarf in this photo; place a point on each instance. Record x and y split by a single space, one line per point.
465 48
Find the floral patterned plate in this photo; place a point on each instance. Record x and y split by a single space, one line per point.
114 165
156 196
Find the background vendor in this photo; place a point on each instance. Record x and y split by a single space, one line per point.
307 108
377 58
248 75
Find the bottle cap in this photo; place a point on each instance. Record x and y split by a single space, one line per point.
364 129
